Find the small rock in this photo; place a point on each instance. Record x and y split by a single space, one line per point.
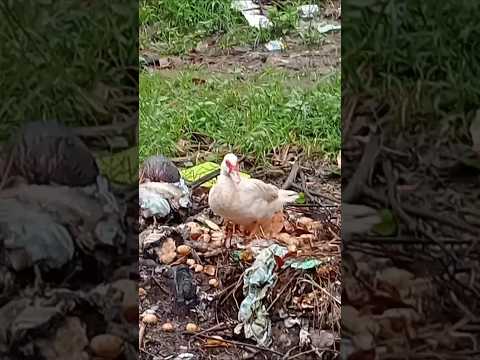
213 282
150 319
210 270
184 250
168 327
191 328
107 346
198 268
190 262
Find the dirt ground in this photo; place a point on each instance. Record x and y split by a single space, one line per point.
322 60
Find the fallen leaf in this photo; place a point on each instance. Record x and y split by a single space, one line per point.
195 230
388 225
167 252
322 339
216 341
212 225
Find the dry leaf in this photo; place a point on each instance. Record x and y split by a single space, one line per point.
167 252
287 239
210 270
217 236
304 221
216 341
204 238
141 292
195 230
212 225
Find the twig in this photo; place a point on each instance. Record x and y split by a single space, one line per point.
239 343
313 283
418 211
315 193
281 292
292 176
237 285
367 162
95 131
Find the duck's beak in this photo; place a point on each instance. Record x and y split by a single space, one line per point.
235 175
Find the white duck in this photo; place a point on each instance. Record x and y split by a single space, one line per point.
243 201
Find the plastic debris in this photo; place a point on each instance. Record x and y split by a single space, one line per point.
258 279
308 11
251 12
120 167
275 45
36 241
325 28
303 264
198 171
185 356
159 199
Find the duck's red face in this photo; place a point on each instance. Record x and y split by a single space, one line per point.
231 167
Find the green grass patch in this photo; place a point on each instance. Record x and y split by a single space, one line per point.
67 61
423 55
253 116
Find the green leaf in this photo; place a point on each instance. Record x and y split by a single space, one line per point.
388 226
301 198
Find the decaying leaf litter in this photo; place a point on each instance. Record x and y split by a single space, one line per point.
198 297
410 287
66 285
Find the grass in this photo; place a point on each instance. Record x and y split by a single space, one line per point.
69 61
422 55
175 27
250 117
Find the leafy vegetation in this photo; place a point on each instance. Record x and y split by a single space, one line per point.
71 61
175 27
422 54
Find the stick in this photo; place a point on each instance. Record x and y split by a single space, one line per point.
358 182
239 343
292 176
